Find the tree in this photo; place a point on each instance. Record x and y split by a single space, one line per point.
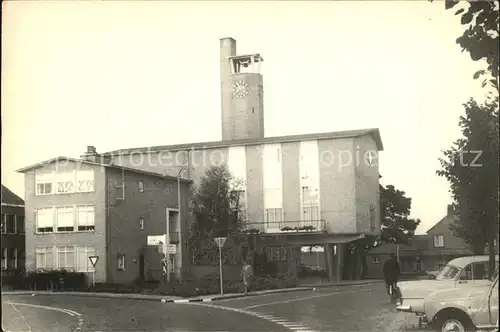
397 227
471 167
216 210
395 207
481 36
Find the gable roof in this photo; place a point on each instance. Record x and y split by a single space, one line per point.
87 162
8 197
446 218
417 243
374 132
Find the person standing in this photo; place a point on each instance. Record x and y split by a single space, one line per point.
391 272
246 273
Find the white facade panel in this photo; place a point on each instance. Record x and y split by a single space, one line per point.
309 182
273 176
237 164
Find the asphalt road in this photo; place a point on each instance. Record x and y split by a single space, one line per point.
354 308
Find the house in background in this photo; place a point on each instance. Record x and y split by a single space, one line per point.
77 208
428 252
13 234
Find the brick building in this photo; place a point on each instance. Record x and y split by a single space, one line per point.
13 234
76 208
427 252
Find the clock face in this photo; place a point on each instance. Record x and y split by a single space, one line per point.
240 89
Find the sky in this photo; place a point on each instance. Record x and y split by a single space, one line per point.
118 74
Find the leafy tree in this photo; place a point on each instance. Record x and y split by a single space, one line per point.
471 167
481 36
216 210
395 207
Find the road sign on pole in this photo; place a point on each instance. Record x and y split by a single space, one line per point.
93 261
220 243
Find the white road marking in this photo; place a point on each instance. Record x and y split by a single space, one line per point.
22 316
275 320
66 311
306 298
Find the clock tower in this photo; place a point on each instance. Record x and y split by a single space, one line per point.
242 99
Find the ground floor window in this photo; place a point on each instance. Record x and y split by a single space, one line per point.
83 260
121 262
44 258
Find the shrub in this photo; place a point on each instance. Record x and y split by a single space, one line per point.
56 280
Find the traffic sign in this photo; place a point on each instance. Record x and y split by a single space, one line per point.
93 260
220 241
154 240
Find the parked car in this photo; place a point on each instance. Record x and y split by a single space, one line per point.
468 308
459 272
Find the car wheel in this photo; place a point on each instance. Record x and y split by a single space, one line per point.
454 324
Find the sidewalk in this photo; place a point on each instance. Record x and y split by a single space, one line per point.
204 298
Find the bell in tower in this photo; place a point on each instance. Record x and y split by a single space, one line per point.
242 96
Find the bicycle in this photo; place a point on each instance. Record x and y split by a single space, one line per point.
393 292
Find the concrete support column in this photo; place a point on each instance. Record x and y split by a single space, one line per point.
339 260
329 262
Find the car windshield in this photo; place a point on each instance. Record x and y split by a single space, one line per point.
448 272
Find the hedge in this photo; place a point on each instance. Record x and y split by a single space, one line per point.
48 280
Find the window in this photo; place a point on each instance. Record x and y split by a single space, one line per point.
11 223
65 183
141 222
66 258
44 183
86 218
44 258
84 264
310 204
278 253
22 259
417 266
65 219
4 258
12 258
438 241
44 220
121 262
20 224
274 218
4 226
376 260
447 272
85 181
141 186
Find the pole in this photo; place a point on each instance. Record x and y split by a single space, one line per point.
93 277
397 252
179 227
220 269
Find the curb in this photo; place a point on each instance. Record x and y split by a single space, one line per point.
159 298
373 282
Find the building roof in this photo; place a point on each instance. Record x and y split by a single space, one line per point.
417 243
8 197
374 132
87 162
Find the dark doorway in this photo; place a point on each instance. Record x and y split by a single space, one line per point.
141 267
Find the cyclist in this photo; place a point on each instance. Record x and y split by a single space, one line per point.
391 273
